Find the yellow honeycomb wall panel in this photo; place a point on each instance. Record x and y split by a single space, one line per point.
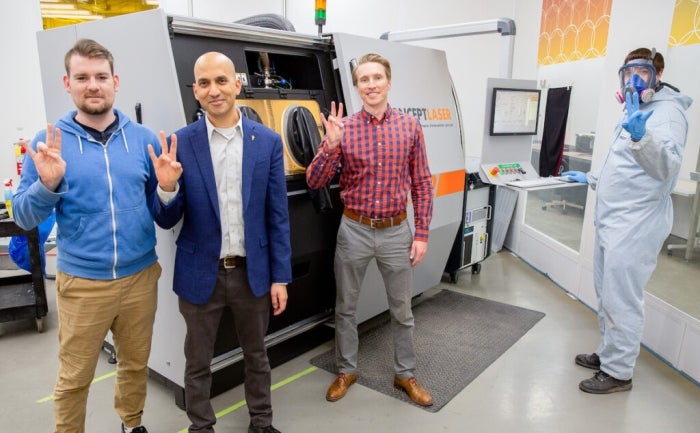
685 28
573 30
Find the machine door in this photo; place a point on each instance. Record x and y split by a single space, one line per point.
302 135
297 121
421 86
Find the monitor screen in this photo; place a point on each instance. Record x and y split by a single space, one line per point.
514 111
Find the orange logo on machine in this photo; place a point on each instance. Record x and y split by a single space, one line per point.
298 122
450 182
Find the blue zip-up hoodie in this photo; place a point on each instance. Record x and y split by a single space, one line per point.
105 203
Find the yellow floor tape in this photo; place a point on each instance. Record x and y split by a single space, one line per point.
221 413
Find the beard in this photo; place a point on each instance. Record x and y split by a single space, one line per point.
95 109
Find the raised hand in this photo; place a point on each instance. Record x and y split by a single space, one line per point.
635 122
168 170
334 126
47 158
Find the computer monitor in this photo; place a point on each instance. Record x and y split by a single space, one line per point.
514 111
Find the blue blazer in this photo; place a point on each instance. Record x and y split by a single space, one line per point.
265 213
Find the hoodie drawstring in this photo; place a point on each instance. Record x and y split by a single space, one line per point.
126 144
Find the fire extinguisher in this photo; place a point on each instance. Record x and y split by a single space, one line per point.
19 156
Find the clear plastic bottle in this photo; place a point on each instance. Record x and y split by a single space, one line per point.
8 196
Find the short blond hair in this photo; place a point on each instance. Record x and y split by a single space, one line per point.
376 58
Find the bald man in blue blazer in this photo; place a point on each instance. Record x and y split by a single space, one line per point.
224 176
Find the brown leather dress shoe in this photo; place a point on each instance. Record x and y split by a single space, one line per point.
417 393
340 386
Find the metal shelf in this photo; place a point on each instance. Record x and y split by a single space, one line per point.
24 296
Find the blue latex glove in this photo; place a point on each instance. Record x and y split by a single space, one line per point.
577 176
635 122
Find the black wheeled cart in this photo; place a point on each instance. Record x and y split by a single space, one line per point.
472 244
24 296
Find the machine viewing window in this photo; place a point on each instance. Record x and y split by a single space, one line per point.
283 70
514 111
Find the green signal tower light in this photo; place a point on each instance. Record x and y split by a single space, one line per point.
320 15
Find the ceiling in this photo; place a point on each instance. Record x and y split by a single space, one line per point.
56 13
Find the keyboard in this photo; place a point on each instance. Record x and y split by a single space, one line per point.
540 181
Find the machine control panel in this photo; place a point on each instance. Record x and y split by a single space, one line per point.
500 173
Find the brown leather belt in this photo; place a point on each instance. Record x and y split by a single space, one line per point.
375 223
231 262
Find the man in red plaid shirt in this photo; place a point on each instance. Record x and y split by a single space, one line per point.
381 153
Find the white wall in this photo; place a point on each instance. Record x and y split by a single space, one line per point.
583 77
22 111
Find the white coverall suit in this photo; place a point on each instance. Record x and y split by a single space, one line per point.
633 218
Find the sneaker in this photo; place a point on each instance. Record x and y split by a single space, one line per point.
139 429
589 361
268 429
603 383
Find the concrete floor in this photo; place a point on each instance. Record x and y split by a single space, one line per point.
533 387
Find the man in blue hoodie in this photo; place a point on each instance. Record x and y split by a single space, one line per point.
94 169
633 213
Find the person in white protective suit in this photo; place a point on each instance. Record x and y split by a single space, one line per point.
633 214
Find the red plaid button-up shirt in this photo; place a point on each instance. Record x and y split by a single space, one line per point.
380 162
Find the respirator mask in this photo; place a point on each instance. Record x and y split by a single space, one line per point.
637 76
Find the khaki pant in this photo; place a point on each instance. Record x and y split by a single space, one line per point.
87 310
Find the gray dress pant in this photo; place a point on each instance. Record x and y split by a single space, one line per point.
357 245
251 318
